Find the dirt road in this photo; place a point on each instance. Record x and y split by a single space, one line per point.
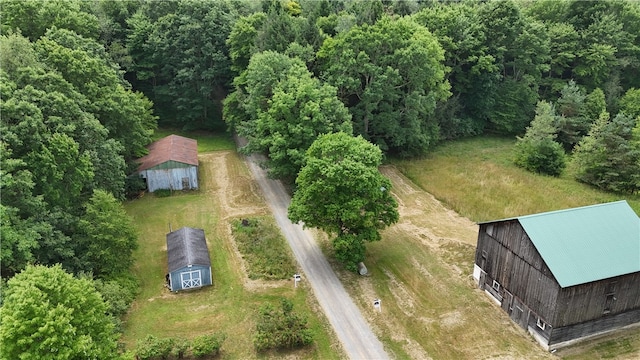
352 330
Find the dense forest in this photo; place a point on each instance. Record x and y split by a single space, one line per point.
84 83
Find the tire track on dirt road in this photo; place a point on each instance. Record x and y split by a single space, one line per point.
354 333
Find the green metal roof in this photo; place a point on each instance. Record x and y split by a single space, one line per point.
586 244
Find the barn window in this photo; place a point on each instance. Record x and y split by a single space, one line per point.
608 303
490 230
496 285
191 279
541 324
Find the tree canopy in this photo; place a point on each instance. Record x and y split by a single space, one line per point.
341 191
49 314
390 75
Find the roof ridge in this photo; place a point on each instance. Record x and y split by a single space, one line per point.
570 209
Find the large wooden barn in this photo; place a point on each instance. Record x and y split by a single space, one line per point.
172 163
564 275
188 259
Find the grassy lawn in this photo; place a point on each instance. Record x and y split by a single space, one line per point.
229 306
477 179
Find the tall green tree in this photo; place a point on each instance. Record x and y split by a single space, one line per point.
461 35
630 102
282 110
390 75
181 59
126 114
107 238
33 17
538 151
608 157
520 47
49 314
341 191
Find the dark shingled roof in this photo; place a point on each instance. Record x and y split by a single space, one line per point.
172 147
187 246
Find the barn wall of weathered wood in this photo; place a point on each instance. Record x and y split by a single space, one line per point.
602 324
182 178
604 298
508 256
529 293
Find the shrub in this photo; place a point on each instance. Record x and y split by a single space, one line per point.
541 156
282 329
152 348
207 345
180 347
162 193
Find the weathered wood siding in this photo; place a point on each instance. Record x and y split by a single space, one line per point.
177 178
602 324
604 298
508 256
529 293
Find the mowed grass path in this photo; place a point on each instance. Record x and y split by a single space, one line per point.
228 306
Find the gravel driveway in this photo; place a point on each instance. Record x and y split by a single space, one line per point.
354 333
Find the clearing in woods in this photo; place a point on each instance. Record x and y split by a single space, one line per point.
421 272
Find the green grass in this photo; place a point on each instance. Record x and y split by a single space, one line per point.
477 178
206 141
265 251
226 307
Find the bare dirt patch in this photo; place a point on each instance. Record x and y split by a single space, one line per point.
231 185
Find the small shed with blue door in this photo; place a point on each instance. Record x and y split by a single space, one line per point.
188 259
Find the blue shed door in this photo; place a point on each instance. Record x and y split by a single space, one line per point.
191 279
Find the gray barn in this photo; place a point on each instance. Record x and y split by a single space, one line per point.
564 275
172 163
188 259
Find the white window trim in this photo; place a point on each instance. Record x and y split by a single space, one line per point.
541 324
495 285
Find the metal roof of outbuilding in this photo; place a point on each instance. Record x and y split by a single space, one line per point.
187 246
586 244
173 147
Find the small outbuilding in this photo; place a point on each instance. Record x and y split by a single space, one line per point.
188 259
566 275
172 163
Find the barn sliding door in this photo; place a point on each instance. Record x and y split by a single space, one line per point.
191 279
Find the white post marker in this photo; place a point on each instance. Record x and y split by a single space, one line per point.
296 278
376 304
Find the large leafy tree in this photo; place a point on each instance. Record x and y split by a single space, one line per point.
462 36
33 17
181 59
280 108
390 75
520 47
49 314
56 152
341 191
83 64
